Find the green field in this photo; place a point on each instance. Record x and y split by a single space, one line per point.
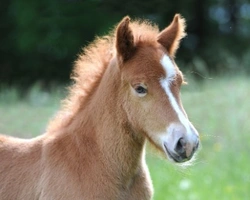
218 107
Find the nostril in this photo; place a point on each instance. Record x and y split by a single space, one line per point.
181 146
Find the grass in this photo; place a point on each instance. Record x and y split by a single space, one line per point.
219 109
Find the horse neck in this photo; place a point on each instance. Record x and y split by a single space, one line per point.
107 124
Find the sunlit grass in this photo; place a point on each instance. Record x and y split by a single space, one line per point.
28 116
220 110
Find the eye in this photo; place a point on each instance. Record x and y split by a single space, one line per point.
141 90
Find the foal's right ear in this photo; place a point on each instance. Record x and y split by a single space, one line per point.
124 40
170 37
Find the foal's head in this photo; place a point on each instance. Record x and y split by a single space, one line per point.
151 84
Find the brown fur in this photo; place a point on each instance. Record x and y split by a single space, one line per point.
95 147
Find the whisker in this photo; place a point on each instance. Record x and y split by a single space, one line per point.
186 172
210 135
202 76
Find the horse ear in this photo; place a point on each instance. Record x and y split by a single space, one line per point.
124 40
170 37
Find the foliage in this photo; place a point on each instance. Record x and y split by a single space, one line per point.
41 39
44 38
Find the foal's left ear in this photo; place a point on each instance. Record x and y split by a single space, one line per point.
170 37
124 40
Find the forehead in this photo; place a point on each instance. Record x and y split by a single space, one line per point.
169 66
151 64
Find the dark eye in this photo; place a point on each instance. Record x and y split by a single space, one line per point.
141 90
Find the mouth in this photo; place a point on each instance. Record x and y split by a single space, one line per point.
173 156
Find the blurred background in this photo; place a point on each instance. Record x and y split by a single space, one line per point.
40 40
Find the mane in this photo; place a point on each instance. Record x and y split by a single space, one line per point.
90 66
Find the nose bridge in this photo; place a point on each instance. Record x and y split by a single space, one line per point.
185 127
176 107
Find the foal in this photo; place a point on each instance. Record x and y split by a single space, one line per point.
126 91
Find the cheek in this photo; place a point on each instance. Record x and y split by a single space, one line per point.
157 114
133 110
139 111
159 117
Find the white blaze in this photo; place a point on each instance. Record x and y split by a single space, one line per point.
165 83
